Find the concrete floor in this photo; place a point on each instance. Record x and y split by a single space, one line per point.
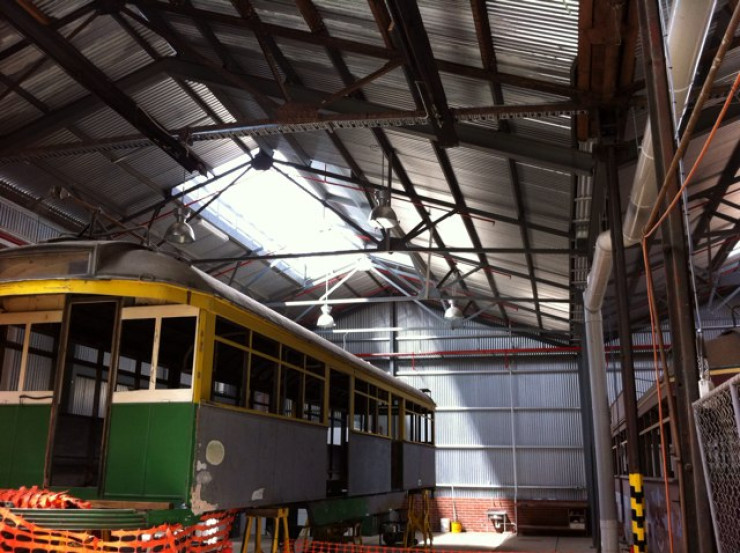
484 541
491 541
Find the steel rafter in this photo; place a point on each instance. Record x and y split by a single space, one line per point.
418 65
718 192
488 57
385 53
34 24
518 148
393 248
419 62
315 23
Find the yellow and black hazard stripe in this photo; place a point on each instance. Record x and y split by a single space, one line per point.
637 504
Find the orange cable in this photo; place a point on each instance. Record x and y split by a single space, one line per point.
654 328
704 150
663 454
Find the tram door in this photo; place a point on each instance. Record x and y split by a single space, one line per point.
82 394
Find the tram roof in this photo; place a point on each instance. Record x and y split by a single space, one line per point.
130 261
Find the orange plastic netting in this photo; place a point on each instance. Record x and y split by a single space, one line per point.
37 498
211 534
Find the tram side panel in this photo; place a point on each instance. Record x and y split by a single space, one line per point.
369 464
418 466
24 429
245 460
150 451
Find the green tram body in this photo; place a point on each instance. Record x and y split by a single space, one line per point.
128 376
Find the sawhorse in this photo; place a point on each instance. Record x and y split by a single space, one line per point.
279 517
418 522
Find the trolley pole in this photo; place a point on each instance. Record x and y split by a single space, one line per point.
629 394
696 518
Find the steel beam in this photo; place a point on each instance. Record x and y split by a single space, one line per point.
419 61
520 148
696 513
403 299
488 57
34 24
629 392
399 248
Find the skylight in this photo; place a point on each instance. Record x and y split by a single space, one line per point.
269 214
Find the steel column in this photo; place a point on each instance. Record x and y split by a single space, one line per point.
697 532
629 394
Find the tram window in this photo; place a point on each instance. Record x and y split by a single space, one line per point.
12 338
313 407
176 346
361 413
291 392
229 374
395 411
43 345
265 345
371 409
262 382
315 366
295 358
232 331
383 418
136 346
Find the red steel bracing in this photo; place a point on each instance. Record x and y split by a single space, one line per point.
494 351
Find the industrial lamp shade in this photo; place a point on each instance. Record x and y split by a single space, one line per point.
325 319
180 232
382 215
453 312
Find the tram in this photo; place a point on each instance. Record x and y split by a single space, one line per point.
723 358
129 377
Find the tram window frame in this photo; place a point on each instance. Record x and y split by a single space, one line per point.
419 424
153 388
367 401
236 339
13 387
278 379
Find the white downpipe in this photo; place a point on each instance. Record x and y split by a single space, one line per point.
687 31
592 299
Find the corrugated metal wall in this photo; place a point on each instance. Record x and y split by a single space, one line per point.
715 320
508 425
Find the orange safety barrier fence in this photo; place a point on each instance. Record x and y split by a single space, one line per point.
211 534
37 498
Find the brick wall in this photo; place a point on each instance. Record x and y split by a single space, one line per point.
473 513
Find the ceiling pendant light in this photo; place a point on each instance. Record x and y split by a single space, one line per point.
180 232
325 320
382 215
453 312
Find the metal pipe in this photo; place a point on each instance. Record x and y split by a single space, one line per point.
593 298
688 28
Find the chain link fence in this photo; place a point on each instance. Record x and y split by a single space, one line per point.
717 417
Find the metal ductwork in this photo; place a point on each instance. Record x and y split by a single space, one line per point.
687 31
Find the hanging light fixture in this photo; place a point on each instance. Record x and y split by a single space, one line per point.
325 319
382 215
180 232
453 312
